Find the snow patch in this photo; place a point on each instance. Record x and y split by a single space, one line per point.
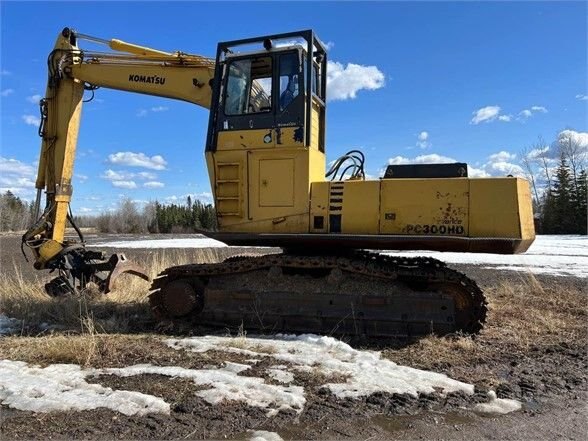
9 325
225 384
565 255
236 367
366 371
62 387
197 242
263 435
280 375
499 406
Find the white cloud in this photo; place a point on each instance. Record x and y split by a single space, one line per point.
345 81
156 109
492 113
17 177
500 164
125 184
528 113
501 168
485 114
31 120
7 92
14 166
86 210
138 160
582 97
81 178
148 176
578 138
124 175
502 156
538 152
154 184
423 140
112 175
5 72
34 99
474 172
329 45
204 196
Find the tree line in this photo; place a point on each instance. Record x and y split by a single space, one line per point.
154 217
15 214
557 175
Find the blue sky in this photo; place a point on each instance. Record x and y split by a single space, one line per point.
474 82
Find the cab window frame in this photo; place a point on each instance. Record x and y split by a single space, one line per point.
225 86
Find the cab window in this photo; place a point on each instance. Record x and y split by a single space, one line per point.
249 86
289 79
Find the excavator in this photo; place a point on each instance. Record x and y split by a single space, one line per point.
266 159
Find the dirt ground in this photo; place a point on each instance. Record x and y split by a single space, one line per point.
548 375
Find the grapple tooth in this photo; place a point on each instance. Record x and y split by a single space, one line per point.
121 265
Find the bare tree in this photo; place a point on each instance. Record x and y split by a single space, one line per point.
528 162
575 153
541 151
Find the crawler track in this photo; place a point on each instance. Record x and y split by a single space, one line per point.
363 293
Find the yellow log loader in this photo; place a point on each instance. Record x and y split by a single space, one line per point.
265 154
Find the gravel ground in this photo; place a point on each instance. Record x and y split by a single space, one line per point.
551 381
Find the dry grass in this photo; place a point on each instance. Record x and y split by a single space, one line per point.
524 316
240 341
90 349
125 309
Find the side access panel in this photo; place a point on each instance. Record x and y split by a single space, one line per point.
424 207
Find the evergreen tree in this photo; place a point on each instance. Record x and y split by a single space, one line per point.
580 203
14 213
562 193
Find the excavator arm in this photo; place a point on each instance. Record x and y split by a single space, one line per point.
71 72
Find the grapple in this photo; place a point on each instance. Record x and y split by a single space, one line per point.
79 267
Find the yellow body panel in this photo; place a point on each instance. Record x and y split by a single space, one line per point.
289 137
361 207
246 139
500 207
424 206
526 217
460 207
276 182
270 193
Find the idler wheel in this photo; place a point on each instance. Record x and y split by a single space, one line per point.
182 297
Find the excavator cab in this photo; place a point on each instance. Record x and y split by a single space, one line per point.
269 91
266 135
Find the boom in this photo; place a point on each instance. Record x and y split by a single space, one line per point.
71 71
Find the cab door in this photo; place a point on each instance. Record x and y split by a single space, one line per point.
246 115
289 127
